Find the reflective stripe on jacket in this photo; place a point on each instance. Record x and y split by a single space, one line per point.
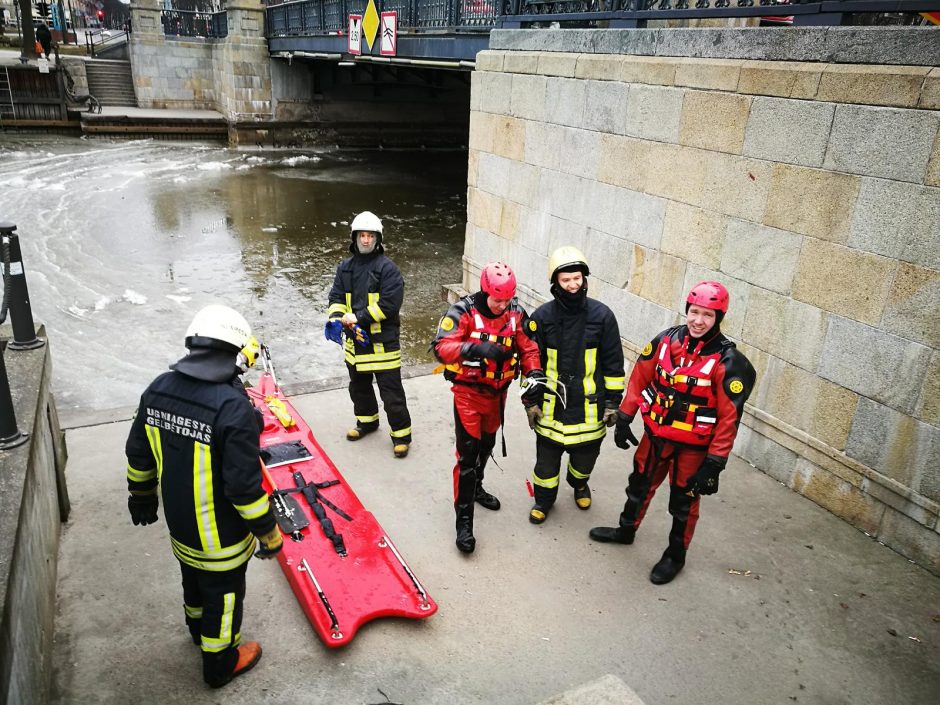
371 287
199 441
464 323
580 349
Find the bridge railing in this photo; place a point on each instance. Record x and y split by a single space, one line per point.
307 17
311 17
185 23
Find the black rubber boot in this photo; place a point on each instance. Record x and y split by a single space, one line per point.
613 534
465 540
669 566
485 499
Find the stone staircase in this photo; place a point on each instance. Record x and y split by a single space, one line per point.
111 82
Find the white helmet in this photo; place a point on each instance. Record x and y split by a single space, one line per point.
218 323
367 220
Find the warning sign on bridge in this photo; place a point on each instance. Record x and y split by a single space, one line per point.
354 45
389 38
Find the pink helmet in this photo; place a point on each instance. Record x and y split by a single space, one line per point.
498 281
708 295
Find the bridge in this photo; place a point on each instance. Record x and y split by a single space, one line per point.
452 32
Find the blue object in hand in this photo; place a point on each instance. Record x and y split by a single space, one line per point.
334 331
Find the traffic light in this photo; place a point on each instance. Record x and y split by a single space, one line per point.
100 14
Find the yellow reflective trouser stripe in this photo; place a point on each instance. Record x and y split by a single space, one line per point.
368 419
256 509
400 433
349 301
193 612
140 475
223 559
590 364
204 498
551 372
577 475
613 382
373 308
378 360
547 482
570 435
337 308
224 640
153 435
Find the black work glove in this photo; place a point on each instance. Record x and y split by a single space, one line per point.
623 436
491 351
534 392
705 479
143 508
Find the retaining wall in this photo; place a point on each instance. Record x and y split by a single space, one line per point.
33 503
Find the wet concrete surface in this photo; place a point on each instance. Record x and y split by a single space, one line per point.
780 601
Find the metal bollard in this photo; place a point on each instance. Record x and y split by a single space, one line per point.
24 330
10 434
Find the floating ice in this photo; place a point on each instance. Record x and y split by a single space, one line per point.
133 297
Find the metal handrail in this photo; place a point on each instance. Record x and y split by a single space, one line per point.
187 23
100 39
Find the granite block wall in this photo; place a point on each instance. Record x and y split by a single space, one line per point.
808 183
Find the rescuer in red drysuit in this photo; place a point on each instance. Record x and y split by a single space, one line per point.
483 341
690 384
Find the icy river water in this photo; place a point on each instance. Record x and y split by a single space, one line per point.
124 241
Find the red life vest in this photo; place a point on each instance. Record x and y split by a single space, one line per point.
500 330
680 403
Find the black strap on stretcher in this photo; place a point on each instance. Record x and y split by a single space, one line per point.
316 500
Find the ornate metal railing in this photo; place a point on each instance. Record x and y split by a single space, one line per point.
306 17
312 17
185 23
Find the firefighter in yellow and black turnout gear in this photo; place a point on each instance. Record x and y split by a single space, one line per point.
579 343
367 292
195 440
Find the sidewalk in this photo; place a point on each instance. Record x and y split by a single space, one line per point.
824 615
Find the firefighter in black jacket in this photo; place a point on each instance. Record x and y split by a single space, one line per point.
196 436
368 293
579 343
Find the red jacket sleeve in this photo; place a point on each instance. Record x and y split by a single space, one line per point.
733 380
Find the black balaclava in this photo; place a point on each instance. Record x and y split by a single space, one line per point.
479 303
710 335
569 301
209 360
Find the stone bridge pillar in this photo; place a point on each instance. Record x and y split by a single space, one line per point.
244 86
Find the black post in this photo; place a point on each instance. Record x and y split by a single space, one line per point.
24 330
10 434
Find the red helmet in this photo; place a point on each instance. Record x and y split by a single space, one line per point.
498 281
708 295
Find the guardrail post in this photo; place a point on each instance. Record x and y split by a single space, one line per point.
10 434
24 330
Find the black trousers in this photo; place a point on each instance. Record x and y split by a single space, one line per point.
547 472
213 603
366 407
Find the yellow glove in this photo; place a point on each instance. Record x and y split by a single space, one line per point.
248 355
270 544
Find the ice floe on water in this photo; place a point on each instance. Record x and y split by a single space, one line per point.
179 299
213 166
132 297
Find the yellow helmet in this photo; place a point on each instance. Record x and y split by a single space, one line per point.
565 257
